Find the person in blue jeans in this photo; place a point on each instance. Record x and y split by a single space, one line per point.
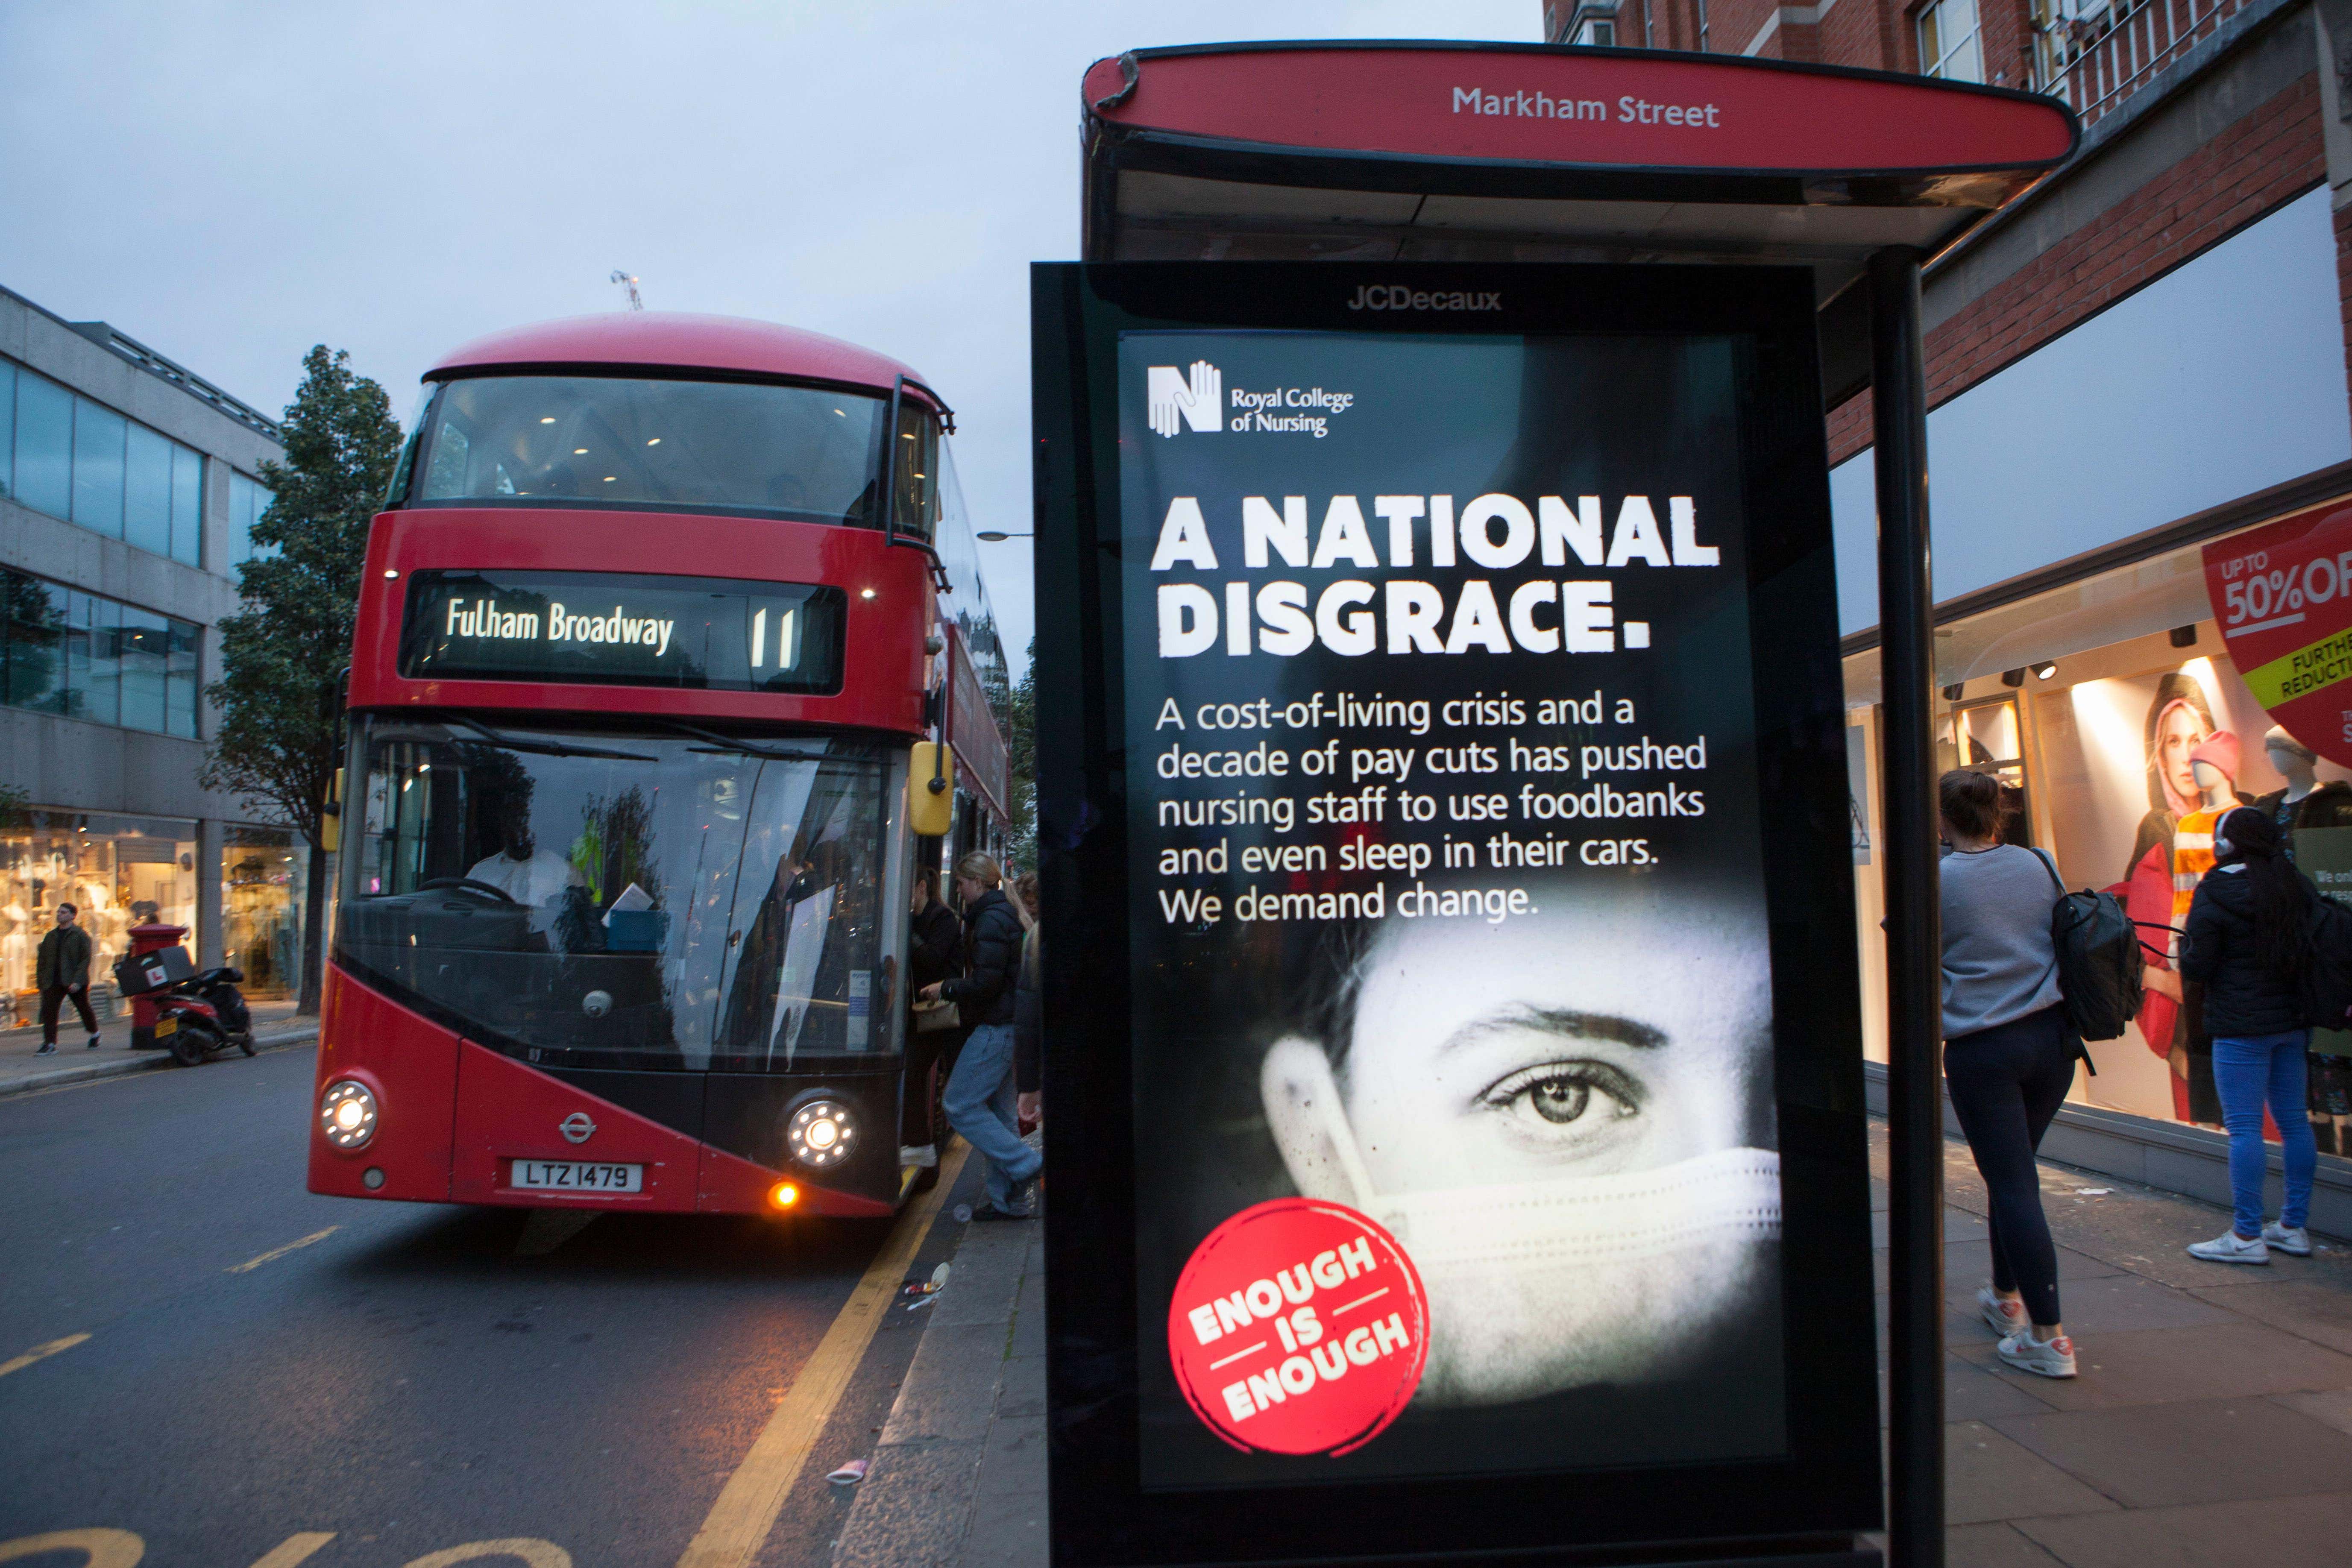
980 1097
2246 942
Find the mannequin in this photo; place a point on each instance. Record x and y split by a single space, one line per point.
2214 763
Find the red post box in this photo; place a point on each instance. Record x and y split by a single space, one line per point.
146 938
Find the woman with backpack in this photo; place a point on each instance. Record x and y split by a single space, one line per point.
2008 1056
2246 940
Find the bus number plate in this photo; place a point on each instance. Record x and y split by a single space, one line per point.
578 1176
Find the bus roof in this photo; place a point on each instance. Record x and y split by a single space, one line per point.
674 340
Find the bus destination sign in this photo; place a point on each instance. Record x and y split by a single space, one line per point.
615 628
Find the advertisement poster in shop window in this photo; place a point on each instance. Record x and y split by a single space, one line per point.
1458 817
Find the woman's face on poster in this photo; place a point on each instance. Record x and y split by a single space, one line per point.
1620 1036
2181 732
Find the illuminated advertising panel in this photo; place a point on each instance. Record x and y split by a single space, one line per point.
1453 821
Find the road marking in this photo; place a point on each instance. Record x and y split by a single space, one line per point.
739 1523
99 1548
38 1352
532 1552
296 1549
274 1253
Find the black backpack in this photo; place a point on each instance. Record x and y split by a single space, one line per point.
2096 950
2328 976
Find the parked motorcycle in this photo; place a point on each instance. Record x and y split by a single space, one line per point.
204 1014
194 1012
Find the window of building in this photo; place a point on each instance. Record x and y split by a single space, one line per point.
63 651
82 461
117 872
264 873
247 500
1948 43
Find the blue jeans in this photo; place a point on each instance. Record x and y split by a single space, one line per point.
2247 1069
982 1106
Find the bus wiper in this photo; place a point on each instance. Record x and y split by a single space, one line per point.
719 743
545 748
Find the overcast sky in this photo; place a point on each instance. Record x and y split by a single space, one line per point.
230 183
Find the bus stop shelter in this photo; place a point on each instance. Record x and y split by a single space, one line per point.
1486 152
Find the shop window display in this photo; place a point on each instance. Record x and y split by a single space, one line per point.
119 871
262 875
2119 761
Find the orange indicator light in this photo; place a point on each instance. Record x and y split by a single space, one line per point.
784 1194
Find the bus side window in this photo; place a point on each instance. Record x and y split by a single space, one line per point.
914 489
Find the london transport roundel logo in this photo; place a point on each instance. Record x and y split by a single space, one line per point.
1299 1327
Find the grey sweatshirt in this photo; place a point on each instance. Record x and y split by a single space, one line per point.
1997 954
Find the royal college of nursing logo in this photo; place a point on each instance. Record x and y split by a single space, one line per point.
1170 401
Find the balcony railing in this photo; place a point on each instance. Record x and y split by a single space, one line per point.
2095 57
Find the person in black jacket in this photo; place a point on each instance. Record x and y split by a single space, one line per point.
931 956
61 969
2246 942
1028 1030
981 1094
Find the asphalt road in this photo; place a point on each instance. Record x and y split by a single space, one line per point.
264 1364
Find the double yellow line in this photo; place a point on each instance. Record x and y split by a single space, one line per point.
739 1523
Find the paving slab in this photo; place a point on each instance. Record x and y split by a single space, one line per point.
2318 1311
2297 1532
1988 1474
1998 1546
1971 1393
2204 1362
2333 1407
911 1507
2153 1456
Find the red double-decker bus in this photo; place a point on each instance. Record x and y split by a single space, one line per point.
659 622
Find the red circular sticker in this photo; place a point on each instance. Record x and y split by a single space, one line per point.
1299 1327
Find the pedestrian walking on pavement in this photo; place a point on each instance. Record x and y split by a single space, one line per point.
2246 942
62 970
937 943
2009 1057
1028 1020
981 1096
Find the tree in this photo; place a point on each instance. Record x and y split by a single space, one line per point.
1021 761
277 743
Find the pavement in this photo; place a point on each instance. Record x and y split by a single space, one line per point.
2212 1423
275 1026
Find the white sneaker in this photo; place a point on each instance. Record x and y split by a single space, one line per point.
2043 1358
2231 1248
2004 1318
926 1156
2294 1241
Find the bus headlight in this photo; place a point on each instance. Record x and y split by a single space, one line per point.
347 1114
821 1133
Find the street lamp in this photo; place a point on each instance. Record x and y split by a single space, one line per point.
998 536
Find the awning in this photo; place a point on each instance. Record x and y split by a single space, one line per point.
1420 152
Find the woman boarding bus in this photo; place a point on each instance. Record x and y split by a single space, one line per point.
650 637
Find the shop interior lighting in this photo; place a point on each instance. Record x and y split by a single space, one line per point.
2185 637
1952 693
2013 677
2045 669
549 420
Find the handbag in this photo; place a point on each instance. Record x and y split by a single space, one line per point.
931 1017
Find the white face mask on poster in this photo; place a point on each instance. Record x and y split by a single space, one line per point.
1540 1286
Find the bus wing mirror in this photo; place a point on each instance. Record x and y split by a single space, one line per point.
931 788
330 817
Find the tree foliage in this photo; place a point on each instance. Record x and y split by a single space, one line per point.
275 746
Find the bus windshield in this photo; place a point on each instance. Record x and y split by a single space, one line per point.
624 898
808 454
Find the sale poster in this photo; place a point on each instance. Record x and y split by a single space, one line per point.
1457 1148
2282 595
